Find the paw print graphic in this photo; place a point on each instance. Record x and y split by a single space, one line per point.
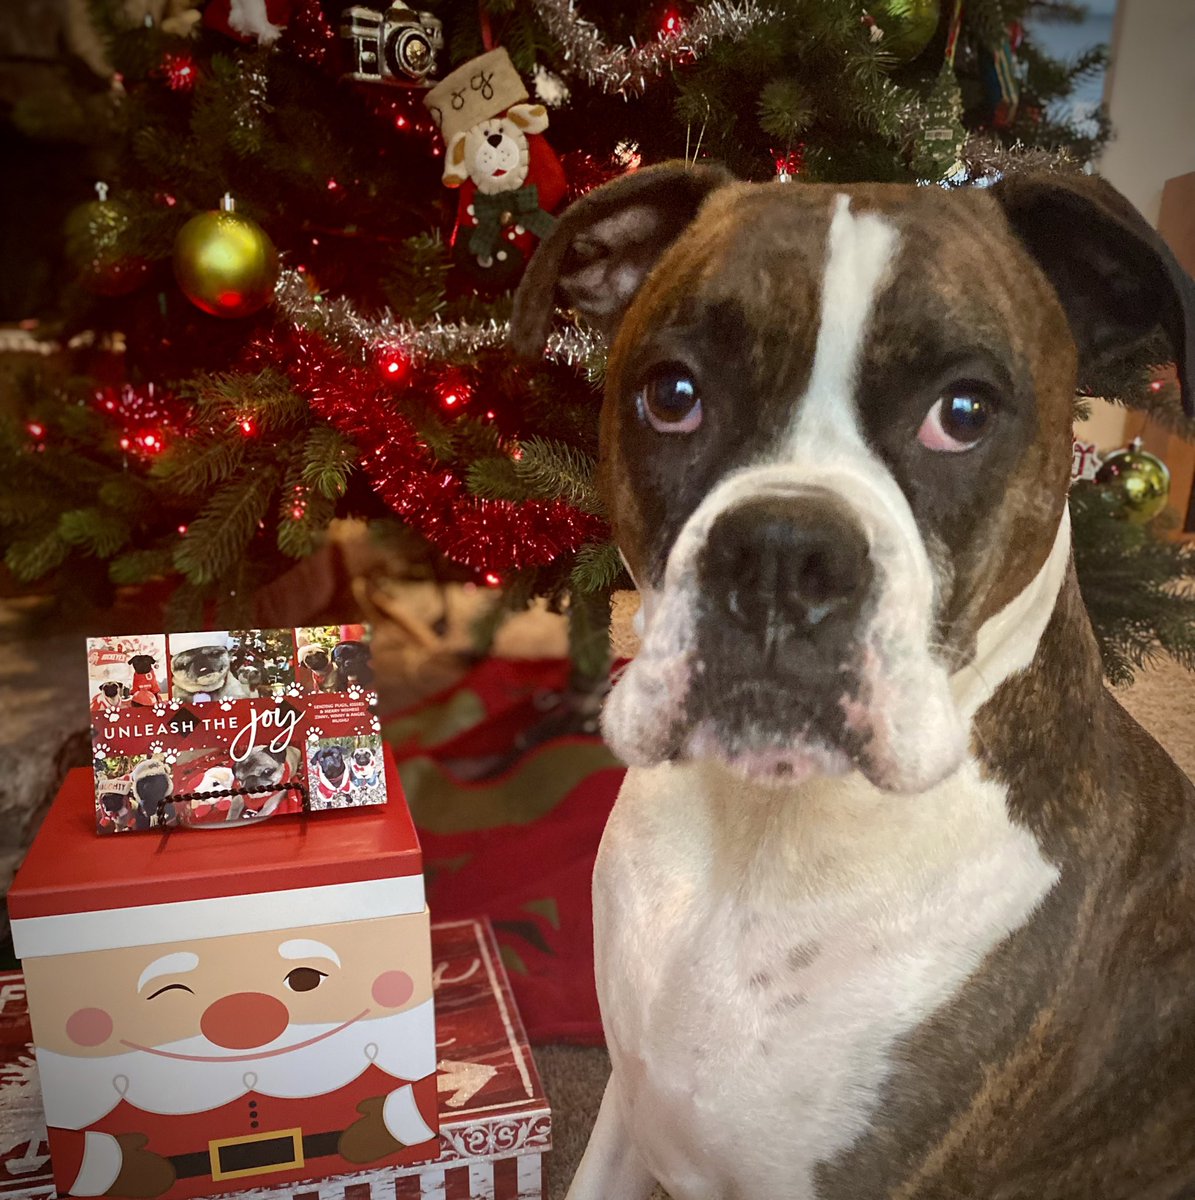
375 725
159 710
294 690
225 705
356 691
156 747
100 749
171 757
371 698
315 733
174 704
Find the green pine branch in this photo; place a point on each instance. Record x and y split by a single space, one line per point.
596 569
140 566
328 459
553 470
1139 587
220 535
36 553
94 531
196 466
497 479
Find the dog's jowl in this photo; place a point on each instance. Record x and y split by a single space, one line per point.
896 900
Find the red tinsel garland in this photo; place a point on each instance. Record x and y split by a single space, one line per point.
490 536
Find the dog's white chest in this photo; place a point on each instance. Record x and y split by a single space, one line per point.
757 960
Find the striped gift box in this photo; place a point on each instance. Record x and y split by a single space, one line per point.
495 1124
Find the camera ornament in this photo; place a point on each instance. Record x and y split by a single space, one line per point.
510 179
397 46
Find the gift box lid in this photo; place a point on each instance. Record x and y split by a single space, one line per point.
495 1123
71 891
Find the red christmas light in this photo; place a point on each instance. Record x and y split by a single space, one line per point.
179 71
35 429
672 24
492 579
393 363
182 530
247 426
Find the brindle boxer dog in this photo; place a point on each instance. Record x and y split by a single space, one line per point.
896 900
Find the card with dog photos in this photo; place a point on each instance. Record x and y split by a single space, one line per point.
228 727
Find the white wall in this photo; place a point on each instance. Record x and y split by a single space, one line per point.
1150 92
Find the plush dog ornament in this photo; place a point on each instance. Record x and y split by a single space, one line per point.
510 178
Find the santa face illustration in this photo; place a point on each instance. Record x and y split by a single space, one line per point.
231 1036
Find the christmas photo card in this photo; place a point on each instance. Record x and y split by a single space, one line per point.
232 726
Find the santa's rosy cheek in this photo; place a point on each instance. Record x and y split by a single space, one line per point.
89 1027
392 989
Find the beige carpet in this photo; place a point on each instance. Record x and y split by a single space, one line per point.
1162 699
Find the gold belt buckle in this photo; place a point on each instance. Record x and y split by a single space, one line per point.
226 1167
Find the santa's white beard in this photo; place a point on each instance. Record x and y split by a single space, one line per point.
79 1091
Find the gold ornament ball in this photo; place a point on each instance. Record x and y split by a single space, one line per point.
1138 481
96 233
225 264
909 25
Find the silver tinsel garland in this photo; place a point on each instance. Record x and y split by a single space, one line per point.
627 70
434 341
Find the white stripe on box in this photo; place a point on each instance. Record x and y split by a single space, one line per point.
431 1185
531 1177
217 916
481 1181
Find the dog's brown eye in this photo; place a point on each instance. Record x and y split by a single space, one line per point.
960 417
305 979
668 400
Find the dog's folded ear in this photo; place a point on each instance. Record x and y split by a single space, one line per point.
603 247
1117 279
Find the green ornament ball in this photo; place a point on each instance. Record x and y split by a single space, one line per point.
909 25
1138 483
225 264
96 236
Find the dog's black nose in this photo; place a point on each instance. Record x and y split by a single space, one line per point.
791 562
494 139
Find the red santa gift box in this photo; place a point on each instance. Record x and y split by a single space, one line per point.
495 1125
224 1009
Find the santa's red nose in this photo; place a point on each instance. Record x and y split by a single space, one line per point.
244 1020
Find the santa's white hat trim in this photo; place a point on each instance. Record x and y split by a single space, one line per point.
179 642
217 916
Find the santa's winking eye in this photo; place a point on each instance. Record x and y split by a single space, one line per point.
305 979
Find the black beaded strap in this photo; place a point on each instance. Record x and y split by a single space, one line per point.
220 793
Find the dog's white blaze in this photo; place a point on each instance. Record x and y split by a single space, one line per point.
761 954
859 255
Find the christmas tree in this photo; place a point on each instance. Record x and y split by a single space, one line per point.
334 343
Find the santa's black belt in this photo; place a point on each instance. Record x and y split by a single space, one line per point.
255 1154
